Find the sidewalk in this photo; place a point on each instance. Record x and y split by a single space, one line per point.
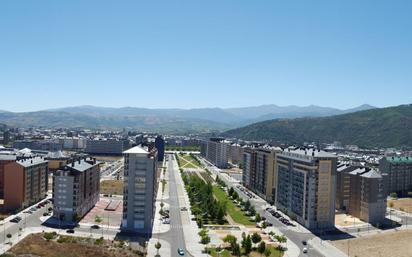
158 226
292 249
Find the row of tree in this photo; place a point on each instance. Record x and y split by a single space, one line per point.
204 205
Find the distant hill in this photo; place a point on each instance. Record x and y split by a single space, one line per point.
383 127
161 120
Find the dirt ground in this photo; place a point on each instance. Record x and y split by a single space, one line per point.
107 158
345 220
402 203
36 245
111 187
393 244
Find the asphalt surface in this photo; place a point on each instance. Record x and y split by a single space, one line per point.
175 235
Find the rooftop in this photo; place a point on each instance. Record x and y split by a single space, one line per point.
136 150
7 157
373 173
399 159
56 155
310 152
31 161
80 165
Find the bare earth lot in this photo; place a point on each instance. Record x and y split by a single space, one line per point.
402 203
391 244
36 245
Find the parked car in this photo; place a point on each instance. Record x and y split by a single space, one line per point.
95 227
70 231
183 209
305 250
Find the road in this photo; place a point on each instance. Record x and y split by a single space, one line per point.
175 235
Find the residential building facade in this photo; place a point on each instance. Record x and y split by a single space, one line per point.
259 172
217 152
399 174
76 189
140 188
106 146
367 199
160 146
306 187
24 183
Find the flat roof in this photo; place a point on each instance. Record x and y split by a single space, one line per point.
399 159
136 150
31 161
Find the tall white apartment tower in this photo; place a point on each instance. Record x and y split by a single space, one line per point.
140 188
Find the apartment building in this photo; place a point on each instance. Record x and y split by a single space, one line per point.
160 146
343 185
140 188
235 154
259 173
306 186
76 189
24 182
399 174
57 160
367 199
106 146
217 152
4 159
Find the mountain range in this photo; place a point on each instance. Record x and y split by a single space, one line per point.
164 120
380 127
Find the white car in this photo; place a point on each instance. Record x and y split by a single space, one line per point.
305 250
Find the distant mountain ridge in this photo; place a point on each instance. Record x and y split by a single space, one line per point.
380 127
162 120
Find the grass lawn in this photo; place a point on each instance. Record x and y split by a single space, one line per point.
188 161
111 187
36 245
237 215
226 253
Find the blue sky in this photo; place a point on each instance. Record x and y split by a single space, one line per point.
204 53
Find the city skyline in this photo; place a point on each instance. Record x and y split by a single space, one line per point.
225 54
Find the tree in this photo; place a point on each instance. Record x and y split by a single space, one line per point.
394 195
248 245
236 250
98 219
281 239
267 252
258 218
158 245
261 248
230 192
205 240
221 212
235 195
8 236
252 211
247 205
256 238
232 240
391 204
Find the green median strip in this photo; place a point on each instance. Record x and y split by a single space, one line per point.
237 215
